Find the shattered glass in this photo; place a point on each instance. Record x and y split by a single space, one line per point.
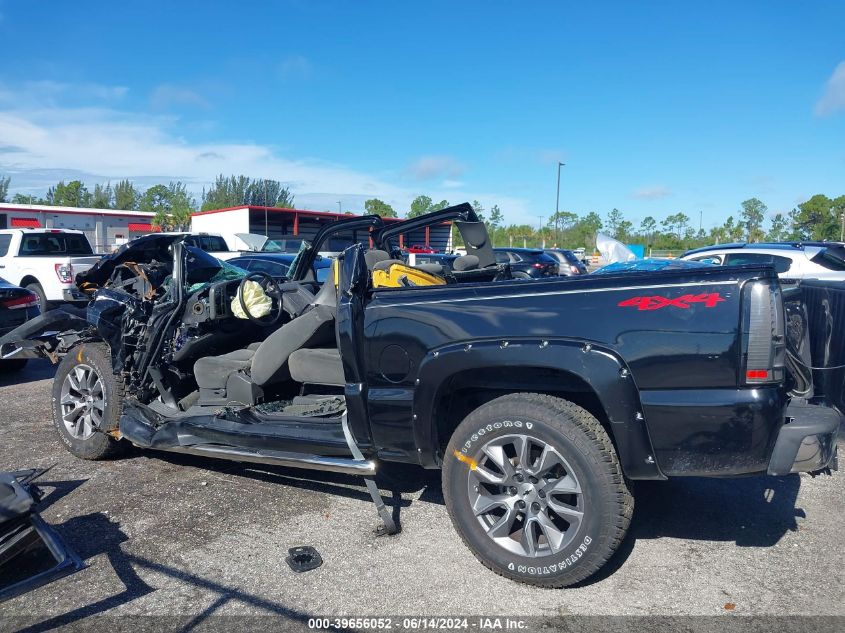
227 272
305 406
302 248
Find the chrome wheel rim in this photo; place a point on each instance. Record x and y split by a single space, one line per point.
82 402
525 496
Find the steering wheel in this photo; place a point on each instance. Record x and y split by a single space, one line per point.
271 289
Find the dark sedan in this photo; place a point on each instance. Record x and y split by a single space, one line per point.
277 265
527 262
568 261
17 306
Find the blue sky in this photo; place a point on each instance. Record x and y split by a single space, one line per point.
655 107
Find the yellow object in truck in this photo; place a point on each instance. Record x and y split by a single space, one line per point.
400 276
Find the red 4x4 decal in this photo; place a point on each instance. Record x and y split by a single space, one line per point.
656 302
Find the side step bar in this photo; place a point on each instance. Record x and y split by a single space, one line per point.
143 432
361 467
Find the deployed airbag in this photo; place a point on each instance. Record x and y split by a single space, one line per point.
255 299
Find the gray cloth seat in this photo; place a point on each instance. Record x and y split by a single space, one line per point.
317 366
212 372
465 262
374 256
431 269
268 362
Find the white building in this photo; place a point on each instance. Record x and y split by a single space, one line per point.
105 228
291 226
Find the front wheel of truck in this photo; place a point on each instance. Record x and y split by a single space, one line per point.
534 488
87 402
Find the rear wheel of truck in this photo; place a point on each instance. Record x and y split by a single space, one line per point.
87 402
36 289
534 488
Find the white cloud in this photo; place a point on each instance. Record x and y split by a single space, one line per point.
48 93
431 167
652 193
42 144
833 99
165 96
114 145
541 155
295 67
550 155
107 93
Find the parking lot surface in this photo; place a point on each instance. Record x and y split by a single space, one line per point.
165 534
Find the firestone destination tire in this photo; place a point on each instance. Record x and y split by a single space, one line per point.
534 488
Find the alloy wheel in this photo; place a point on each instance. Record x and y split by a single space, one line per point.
525 495
82 402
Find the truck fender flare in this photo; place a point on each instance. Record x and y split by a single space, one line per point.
598 366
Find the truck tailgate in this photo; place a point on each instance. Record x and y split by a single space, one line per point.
81 264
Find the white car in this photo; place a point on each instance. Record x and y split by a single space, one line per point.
46 262
212 243
807 260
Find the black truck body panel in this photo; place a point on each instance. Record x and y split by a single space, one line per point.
667 378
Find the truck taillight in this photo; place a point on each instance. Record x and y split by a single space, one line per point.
65 273
763 340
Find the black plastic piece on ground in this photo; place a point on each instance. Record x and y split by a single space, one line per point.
303 558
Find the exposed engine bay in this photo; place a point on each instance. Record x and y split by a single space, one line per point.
157 324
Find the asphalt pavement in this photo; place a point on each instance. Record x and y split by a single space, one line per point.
165 534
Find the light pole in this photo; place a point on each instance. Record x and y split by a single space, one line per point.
842 227
542 237
557 203
340 207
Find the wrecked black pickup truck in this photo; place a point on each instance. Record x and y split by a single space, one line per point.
540 399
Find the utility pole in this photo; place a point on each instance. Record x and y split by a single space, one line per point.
542 236
340 207
700 220
842 227
557 204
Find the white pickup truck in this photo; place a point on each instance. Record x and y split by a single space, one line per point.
46 262
212 243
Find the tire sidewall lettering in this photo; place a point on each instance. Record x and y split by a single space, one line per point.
493 426
554 568
581 548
